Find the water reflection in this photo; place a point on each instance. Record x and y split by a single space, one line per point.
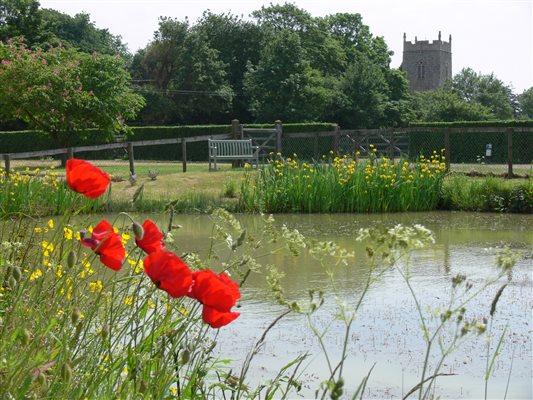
386 331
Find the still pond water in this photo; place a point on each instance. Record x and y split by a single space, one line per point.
386 331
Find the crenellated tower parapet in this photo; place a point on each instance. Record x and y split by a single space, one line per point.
428 64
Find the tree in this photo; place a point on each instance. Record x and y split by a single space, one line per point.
79 32
526 102
238 43
486 90
63 92
20 18
180 65
446 106
283 85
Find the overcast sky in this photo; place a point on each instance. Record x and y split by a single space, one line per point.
487 35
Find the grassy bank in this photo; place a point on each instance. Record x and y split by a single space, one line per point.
40 191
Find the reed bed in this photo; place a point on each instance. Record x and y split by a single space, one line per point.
36 192
345 184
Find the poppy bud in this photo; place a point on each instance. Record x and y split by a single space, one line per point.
76 315
41 379
66 372
12 282
143 386
25 336
16 273
138 230
185 356
105 330
71 259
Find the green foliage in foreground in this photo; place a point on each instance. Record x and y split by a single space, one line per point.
344 184
34 193
337 185
69 328
487 194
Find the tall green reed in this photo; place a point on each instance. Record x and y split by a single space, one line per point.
344 184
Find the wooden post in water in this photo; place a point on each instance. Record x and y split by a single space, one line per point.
447 151
130 156
510 152
7 162
184 154
279 135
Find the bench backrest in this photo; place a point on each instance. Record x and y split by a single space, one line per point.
232 147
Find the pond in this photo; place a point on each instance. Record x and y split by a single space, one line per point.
386 331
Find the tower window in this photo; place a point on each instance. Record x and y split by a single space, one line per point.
421 70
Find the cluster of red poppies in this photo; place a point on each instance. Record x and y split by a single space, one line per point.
217 292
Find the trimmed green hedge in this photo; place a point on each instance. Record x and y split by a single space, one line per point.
21 141
474 124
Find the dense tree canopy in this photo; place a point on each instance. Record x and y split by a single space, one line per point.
183 74
285 64
526 103
468 96
486 90
44 27
62 91
282 63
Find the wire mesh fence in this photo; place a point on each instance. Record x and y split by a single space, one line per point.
474 151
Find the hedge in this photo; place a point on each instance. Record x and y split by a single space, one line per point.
21 141
475 124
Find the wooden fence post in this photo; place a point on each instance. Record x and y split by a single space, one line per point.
184 154
7 162
279 135
130 156
236 129
70 153
447 151
337 130
315 147
510 153
391 148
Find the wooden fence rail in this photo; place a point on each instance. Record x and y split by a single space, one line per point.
128 146
336 134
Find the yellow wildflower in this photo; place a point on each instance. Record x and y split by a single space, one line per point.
36 274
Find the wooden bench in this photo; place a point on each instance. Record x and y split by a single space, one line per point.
232 149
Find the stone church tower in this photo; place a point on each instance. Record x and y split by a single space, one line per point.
427 64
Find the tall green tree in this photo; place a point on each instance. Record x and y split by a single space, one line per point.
485 90
526 102
63 92
283 85
238 43
20 18
79 32
445 105
184 74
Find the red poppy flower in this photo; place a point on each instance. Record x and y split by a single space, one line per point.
168 272
216 291
217 319
85 178
107 244
152 240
